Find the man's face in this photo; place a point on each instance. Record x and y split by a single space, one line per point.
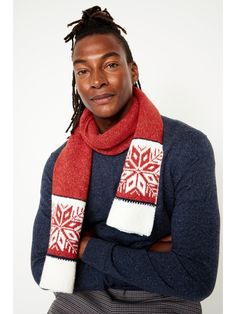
104 79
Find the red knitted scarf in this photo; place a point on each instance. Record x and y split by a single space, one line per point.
133 209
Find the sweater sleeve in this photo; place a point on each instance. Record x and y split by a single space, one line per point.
41 228
189 270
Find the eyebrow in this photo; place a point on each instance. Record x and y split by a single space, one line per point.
106 55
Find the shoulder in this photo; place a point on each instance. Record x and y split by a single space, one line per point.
182 141
56 152
179 133
52 159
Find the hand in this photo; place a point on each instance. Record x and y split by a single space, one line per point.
83 242
164 245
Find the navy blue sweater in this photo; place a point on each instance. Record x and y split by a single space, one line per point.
187 209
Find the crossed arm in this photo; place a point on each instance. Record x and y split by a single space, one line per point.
163 245
184 264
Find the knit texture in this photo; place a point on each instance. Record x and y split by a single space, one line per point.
187 209
134 205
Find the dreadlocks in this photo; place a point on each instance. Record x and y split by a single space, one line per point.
93 21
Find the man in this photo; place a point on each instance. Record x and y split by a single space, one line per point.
128 219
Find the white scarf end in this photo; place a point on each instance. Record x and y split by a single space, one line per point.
131 217
58 275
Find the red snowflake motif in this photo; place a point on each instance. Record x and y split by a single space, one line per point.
141 172
66 225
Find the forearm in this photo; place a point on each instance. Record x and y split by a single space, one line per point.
164 273
184 266
40 240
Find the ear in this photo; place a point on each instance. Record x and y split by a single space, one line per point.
134 72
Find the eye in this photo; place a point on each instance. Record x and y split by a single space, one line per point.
112 65
82 72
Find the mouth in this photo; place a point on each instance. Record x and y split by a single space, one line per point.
102 99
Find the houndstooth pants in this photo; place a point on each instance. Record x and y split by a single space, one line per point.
115 301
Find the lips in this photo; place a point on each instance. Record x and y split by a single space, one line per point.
102 99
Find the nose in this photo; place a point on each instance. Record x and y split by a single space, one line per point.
98 79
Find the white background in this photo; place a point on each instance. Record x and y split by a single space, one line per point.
177 46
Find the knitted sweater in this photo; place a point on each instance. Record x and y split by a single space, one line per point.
187 209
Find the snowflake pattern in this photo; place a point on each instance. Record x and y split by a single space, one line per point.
141 172
66 225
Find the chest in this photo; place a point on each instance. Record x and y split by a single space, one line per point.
105 177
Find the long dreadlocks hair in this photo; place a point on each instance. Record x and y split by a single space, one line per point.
93 21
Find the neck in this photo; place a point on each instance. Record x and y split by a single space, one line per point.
105 124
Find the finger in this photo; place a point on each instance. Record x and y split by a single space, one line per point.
166 239
161 247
